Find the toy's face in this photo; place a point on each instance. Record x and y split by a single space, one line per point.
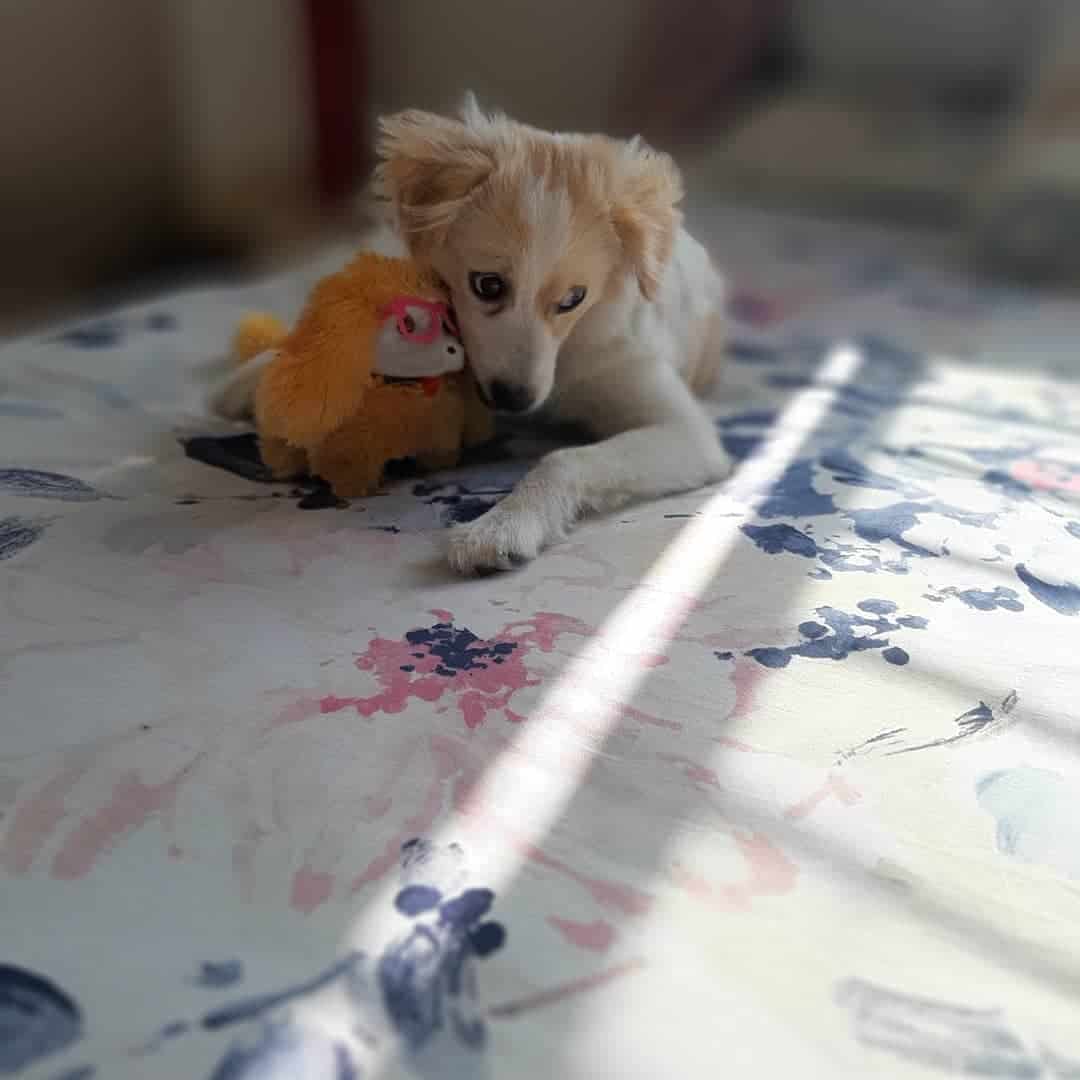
418 339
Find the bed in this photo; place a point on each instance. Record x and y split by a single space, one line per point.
776 779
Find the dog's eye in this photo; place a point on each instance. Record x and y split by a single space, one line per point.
571 299
488 287
408 324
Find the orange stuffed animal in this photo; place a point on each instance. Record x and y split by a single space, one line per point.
372 371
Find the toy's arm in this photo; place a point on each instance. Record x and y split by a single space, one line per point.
321 372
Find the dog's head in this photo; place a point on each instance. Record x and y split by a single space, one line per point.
529 230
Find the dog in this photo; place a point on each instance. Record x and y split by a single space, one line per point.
580 296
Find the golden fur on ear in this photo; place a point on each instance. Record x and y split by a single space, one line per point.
645 215
322 369
428 166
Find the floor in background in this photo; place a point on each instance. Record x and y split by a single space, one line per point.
776 777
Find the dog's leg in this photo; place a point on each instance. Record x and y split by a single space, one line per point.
659 440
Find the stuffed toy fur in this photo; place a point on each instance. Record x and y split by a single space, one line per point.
373 371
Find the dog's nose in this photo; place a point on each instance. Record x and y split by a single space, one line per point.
509 398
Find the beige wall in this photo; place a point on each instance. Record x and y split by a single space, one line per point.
241 93
85 129
555 64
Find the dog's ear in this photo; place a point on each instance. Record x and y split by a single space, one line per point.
645 213
428 166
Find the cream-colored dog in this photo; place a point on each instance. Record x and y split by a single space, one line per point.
579 294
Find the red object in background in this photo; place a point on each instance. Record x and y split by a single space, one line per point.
337 47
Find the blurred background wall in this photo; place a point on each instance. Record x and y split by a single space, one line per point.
143 142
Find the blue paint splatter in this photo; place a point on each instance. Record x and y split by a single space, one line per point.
33 483
724 655
105 334
468 908
1037 816
218 974
742 433
1006 483
789 380
847 469
30 410
253 1007
850 558
892 521
282 1050
18 533
460 504
426 976
458 649
1073 529
160 321
1064 599
835 637
794 494
751 418
889 363
981 599
938 1034
416 899
36 1019
751 352
773 539
173 1030
738 446
877 607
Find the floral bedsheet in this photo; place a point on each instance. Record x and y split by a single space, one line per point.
777 779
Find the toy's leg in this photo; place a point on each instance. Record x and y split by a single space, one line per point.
349 474
284 461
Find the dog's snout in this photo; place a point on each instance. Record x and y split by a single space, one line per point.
509 397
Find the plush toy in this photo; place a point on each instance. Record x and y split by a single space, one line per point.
373 371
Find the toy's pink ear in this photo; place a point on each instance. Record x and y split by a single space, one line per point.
428 166
645 214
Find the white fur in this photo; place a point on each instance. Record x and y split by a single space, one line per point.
234 397
624 371
621 374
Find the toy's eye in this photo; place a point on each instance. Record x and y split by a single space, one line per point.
414 320
488 287
571 300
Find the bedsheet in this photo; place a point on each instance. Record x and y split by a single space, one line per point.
781 778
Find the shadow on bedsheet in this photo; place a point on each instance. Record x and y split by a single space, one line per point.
427 980
616 765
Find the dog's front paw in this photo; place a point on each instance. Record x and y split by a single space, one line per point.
500 540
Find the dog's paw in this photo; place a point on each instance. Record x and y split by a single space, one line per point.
499 540
718 466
